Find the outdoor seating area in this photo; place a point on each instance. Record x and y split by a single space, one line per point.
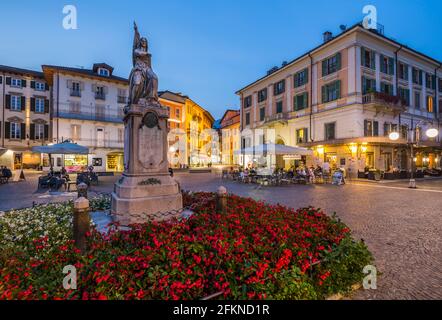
398 174
56 180
278 177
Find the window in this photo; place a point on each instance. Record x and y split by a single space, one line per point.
371 128
15 132
279 87
40 86
76 132
39 131
368 58
416 76
387 88
404 131
248 102
103 72
262 95
40 105
16 82
279 107
330 131
417 100
403 71
16 103
390 127
405 95
387 65
331 92
247 118
76 89
177 113
430 106
301 135
440 84
262 114
100 93
301 101
368 85
331 64
301 78
430 81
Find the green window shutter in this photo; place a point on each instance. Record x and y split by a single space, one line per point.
433 81
23 103
375 128
46 133
295 103
46 106
324 68
373 60
365 128
23 83
8 101
305 100
8 81
362 56
381 58
33 104
364 85
7 130
324 93
391 66
32 131
338 60
23 131
338 89
306 75
420 77
406 71
32 84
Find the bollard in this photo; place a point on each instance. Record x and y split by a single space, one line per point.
221 200
81 223
82 190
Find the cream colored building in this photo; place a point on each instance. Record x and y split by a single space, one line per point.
343 98
24 117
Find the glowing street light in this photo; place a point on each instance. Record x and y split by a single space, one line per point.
394 136
432 133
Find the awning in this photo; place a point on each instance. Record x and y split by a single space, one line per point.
62 148
274 149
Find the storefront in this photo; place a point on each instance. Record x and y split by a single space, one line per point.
115 162
75 162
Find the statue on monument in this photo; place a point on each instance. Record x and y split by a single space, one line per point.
143 81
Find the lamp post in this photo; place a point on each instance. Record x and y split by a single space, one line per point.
394 136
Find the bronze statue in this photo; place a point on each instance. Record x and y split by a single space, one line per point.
143 81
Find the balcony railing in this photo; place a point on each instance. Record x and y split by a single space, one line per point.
75 93
83 112
383 102
100 143
283 117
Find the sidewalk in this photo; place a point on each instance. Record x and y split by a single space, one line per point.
391 181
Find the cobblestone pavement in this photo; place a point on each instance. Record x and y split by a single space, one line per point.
402 227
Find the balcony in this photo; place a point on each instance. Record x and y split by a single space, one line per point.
100 143
100 96
75 93
277 118
92 113
384 103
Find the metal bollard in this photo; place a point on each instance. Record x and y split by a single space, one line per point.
82 190
81 223
221 200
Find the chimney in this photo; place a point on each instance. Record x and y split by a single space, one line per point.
327 36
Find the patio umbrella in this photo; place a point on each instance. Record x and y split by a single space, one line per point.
62 148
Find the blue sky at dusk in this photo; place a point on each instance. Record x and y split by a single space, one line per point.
207 49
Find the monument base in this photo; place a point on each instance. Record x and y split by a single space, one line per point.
138 198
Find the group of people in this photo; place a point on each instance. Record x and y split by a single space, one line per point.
5 174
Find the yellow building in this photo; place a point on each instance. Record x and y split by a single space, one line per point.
230 136
198 124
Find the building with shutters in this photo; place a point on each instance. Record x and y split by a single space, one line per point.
24 117
230 137
343 98
87 108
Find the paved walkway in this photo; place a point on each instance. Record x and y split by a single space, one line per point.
402 227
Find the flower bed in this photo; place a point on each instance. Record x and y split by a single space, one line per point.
255 251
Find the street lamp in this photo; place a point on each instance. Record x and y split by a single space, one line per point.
430 133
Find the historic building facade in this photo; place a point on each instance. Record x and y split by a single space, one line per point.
24 117
230 137
87 108
343 99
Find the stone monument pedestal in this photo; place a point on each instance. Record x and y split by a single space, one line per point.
146 190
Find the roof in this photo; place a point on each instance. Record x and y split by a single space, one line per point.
48 70
172 96
354 27
14 70
104 66
237 112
